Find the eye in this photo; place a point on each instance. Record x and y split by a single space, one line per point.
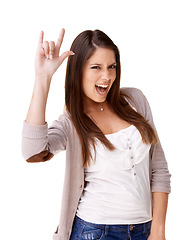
95 67
113 66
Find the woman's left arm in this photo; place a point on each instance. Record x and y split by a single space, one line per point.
159 172
160 180
160 201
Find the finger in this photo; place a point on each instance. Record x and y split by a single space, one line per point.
51 49
41 35
65 55
45 46
60 39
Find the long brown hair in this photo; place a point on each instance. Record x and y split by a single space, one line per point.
84 46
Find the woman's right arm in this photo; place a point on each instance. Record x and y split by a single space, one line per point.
47 62
37 141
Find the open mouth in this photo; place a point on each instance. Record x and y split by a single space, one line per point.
101 89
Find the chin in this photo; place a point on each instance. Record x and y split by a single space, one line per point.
99 100
94 99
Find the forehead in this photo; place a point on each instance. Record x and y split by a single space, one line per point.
102 56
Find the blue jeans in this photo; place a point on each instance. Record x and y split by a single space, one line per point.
83 230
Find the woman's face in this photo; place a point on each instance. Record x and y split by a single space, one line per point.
99 73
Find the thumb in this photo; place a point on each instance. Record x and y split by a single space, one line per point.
65 55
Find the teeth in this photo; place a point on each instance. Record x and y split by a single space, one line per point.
103 86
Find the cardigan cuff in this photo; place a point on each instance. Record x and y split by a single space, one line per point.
34 131
165 189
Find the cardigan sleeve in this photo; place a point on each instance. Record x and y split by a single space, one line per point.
40 142
160 176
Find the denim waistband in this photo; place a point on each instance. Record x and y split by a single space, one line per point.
120 227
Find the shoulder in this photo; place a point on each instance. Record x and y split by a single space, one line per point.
65 119
136 98
131 92
63 123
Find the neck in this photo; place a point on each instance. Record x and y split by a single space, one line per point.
95 106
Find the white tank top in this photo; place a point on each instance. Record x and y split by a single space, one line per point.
117 187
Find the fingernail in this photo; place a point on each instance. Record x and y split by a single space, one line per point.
72 53
51 56
47 56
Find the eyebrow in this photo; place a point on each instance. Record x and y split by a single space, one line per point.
101 64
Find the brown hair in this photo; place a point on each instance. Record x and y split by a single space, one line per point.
84 46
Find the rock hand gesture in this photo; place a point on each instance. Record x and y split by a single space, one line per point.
47 61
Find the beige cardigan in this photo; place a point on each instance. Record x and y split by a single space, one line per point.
40 143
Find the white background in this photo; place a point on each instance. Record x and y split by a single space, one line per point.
153 38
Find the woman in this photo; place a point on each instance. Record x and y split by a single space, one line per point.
116 172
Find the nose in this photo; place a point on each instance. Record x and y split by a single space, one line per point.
106 75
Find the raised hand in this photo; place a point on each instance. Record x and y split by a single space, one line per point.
48 58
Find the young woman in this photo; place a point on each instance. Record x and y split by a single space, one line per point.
117 180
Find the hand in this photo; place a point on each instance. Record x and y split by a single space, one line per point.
47 57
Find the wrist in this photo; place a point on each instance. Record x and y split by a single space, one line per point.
158 229
43 77
42 81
